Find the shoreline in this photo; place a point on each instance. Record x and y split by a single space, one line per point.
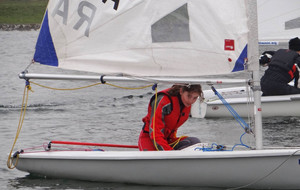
19 27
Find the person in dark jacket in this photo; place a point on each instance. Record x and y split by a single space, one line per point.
282 70
166 113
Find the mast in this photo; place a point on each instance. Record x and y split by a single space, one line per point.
254 67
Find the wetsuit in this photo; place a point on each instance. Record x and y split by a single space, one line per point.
170 114
281 71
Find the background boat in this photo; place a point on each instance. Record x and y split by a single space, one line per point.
241 100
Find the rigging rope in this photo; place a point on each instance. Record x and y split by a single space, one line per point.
52 88
10 159
155 102
240 120
173 144
78 88
218 148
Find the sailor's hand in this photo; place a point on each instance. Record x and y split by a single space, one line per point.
264 60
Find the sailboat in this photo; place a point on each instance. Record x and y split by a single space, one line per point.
178 41
278 22
240 99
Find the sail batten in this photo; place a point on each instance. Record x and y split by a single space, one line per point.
146 38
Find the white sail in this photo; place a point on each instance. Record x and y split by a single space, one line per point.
144 37
278 20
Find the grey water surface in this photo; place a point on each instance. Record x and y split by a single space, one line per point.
100 114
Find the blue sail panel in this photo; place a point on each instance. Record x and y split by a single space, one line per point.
239 64
44 50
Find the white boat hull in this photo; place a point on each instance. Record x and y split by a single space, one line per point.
272 106
262 169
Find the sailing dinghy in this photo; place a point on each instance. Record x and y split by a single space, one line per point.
241 100
177 41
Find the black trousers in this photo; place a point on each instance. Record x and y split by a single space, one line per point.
272 88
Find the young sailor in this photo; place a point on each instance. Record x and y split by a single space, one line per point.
282 70
166 114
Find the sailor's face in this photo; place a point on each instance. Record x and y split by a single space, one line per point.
188 98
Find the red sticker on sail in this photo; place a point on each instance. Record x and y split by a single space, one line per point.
229 45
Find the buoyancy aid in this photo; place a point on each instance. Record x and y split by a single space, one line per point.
286 59
169 116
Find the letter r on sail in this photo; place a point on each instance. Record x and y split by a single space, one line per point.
84 17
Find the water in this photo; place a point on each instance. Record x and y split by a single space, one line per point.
100 114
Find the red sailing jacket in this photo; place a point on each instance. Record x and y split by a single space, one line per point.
168 118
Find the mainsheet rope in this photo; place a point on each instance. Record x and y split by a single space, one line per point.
10 159
78 88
